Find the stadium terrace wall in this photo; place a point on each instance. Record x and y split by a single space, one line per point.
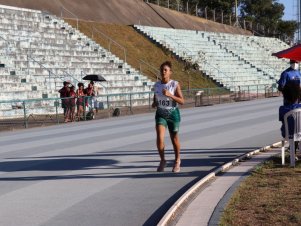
183 21
125 12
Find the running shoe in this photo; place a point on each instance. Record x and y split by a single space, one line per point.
161 166
176 168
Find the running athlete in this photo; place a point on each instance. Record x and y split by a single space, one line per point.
167 96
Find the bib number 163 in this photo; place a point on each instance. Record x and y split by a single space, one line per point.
164 103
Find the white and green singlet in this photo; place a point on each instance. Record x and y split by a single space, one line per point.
167 113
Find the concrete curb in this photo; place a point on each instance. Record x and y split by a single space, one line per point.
171 212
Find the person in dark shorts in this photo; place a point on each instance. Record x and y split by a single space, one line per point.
63 94
67 104
80 103
89 92
167 96
291 93
72 104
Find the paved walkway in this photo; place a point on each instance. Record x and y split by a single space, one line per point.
103 172
209 204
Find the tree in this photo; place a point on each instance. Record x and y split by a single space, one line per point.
267 14
262 16
286 29
225 5
173 4
211 9
262 10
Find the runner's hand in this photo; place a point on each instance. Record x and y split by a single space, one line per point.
166 93
154 104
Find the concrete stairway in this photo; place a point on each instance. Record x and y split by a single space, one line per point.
39 51
237 62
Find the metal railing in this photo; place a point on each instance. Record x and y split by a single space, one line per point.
186 52
8 45
65 75
155 71
212 68
30 58
111 41
267 68
70 13
39 112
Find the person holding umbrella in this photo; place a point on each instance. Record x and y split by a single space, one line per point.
93 90
94 78
89 92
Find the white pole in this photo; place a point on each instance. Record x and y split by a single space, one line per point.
299 20
187 7
236 16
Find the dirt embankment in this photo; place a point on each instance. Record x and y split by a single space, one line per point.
125 12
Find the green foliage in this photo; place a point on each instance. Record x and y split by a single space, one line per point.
287 28
270 190
219 5
227 6
262 16
268 14
173 4
261 10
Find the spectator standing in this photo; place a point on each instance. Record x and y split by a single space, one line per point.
80 103
200 12
89 91
72 95
97 92
167 96
291 93
290 75
67 104
63 94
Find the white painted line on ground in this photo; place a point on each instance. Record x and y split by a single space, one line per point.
171 212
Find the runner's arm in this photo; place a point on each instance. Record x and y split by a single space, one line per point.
178 97
154 104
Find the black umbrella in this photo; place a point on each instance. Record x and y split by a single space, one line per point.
94 78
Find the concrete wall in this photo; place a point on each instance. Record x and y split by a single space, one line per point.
126 12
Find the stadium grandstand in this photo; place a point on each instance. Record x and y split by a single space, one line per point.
40 50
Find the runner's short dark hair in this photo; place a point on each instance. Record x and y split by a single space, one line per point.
166 63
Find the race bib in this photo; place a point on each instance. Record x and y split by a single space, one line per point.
163 101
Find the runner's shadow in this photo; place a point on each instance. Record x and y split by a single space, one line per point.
64 164
112 154
113 168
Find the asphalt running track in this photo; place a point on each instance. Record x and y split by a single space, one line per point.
104 172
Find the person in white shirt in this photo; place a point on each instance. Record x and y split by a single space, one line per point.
167 96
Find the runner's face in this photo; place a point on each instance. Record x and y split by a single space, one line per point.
165 73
